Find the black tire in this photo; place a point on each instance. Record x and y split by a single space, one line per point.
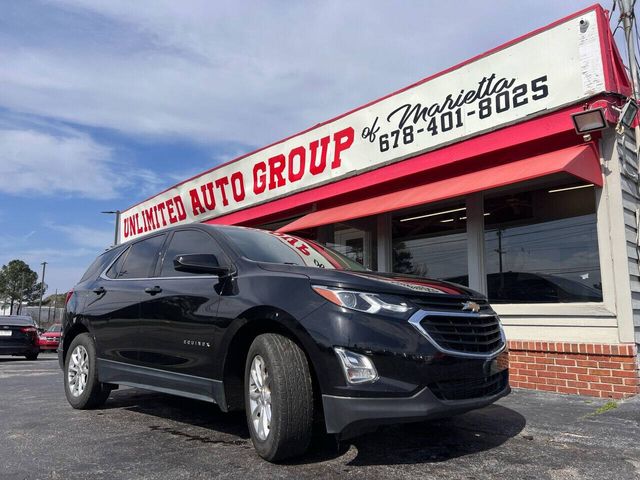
32 356
291 398
94 393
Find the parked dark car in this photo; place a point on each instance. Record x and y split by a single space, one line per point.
50 340
19 336
281 327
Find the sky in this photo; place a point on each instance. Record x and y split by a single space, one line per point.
103 104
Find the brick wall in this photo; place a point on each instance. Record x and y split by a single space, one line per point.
593 369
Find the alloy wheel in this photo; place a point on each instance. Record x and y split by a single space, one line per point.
260 397
78 371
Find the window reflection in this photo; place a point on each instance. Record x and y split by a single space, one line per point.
541 247
431 243
349 242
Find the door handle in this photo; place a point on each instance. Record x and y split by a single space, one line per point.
153 290
100 290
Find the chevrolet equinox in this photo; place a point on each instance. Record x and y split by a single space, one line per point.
283 328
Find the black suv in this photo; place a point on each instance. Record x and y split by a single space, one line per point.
281 327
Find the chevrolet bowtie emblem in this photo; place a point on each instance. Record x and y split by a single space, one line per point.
472 306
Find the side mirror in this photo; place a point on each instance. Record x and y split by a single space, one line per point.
199 263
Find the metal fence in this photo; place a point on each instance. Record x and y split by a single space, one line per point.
48 315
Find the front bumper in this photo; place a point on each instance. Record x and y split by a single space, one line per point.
349 416
406 360
48 344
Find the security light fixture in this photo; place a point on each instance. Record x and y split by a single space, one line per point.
589 121
628 113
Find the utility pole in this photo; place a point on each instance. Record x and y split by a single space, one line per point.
44 266
627 16
55 306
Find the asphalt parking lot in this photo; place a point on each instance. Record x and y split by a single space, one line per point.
147 435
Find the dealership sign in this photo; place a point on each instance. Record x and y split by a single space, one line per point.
552 68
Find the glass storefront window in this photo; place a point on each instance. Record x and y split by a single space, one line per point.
432 243
356 240
350 242
541 246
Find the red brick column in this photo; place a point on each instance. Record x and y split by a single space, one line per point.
594 369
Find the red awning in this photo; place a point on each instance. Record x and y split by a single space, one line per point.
580 161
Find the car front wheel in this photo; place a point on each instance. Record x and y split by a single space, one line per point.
278 397
81 385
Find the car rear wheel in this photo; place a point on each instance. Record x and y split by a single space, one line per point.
32 356
81 385
278 397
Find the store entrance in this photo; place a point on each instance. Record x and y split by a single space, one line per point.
351 242
356 239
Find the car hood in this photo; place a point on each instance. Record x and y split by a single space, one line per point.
399 284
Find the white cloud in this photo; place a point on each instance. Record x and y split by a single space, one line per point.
223 156
36 162
249 72
87 237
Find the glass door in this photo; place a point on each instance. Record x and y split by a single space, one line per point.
355 243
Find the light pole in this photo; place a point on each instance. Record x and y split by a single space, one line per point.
117 214
55 306
44 266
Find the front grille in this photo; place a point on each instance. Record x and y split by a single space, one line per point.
475 333
445 303
467 389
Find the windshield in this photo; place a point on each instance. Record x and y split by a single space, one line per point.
54 328
274 247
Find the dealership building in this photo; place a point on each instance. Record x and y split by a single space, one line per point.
514 173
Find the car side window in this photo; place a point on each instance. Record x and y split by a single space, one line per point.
117 265
141 258
189 242
99 264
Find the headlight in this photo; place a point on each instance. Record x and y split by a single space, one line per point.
375 303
